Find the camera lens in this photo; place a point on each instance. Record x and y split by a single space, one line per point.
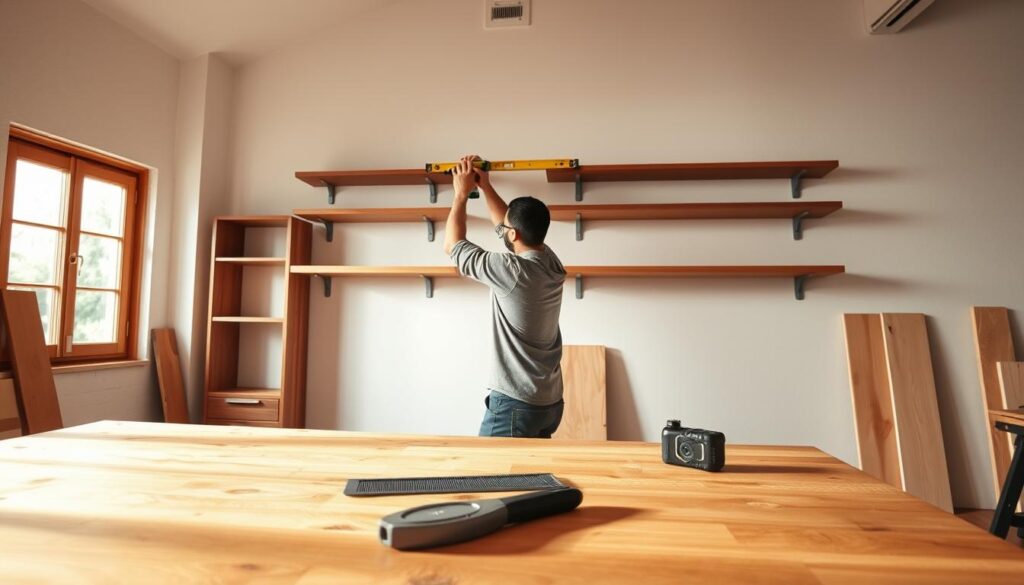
685 451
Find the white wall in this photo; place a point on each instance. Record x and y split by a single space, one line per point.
71 72
200 152
927 125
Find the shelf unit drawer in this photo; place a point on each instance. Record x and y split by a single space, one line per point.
242 408
244 423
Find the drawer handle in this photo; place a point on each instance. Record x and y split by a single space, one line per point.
251 401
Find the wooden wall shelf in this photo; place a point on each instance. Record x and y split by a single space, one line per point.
799 273
329 217
795 171
239 319
334 179
795 211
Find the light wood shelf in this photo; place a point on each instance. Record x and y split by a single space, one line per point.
252 261
796 211
799 273
245 393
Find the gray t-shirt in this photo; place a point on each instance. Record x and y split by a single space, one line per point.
526 298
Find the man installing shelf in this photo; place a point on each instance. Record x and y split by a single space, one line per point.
525 385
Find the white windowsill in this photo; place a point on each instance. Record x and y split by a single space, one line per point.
76 368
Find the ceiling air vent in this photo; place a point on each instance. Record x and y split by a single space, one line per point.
505 13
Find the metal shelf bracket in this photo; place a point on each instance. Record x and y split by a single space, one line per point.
428 282
798 225
331 192
327 284
430 228
795 184
432 189
579 286
798 286
328 229
579 227
579 187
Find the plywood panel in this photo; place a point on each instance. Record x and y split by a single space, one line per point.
168 373
1011 383
992 344
583 378
33 378
872 401
916 408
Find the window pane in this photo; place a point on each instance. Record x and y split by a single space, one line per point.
102 207
95 317
47 298
99 262
34 255
39 193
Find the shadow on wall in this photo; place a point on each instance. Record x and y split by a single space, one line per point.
623 420
951 423
322 384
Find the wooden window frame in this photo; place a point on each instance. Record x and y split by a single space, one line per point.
101 166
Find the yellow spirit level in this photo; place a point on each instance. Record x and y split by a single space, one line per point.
509 165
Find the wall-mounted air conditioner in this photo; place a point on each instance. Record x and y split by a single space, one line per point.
890 16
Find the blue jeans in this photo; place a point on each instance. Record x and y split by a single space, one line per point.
508 417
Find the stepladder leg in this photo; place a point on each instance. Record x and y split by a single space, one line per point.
1005 509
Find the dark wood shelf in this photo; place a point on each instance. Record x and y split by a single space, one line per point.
765 210
810 169
328 217
376 215
371 178
795 211
800 273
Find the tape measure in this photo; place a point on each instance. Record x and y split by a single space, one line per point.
509 165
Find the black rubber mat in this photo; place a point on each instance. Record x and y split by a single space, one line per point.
451 485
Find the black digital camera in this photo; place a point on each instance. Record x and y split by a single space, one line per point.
695 448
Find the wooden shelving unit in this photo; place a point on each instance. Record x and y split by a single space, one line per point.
225 402
795 211
795 171
799 273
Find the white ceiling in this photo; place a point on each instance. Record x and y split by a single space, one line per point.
240 29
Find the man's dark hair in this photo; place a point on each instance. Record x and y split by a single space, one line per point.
531 219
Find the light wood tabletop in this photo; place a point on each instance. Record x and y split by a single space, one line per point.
148 503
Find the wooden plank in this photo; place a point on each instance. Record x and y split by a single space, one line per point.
993 343
633 211
199 503
872 400
241 319
376 215
252 261
10 419
372 177
916 408
296 329
583 382
1011 383
168 374
694 171
33 378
